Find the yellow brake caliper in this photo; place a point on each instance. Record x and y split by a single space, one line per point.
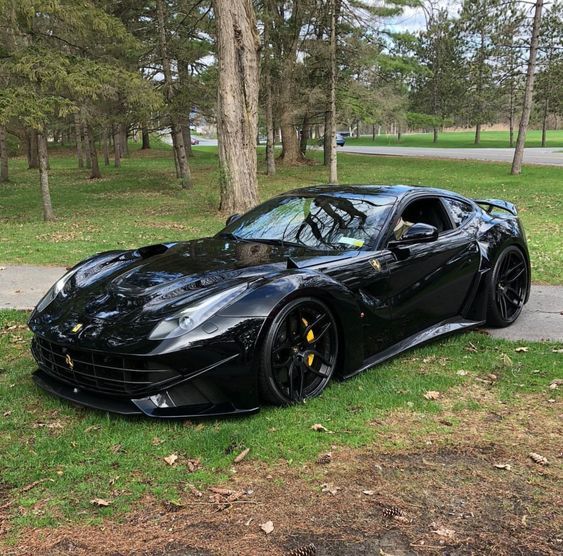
310 338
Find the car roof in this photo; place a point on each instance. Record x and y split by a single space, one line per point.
384 194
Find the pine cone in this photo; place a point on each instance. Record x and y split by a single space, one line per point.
324 458
307 550
392 511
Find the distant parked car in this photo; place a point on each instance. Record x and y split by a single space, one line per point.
340 140
195 141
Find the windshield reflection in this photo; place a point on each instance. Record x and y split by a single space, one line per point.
324 222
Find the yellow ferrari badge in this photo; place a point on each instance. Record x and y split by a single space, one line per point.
77 328
375 264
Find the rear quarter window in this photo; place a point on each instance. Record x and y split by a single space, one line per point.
461 212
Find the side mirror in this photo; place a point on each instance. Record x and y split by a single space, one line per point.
232 219
417 233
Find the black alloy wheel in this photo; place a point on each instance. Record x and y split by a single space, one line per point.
300 352
509 288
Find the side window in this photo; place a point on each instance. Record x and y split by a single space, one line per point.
428 210
461 212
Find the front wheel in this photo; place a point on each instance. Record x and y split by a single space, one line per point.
508 288
299 353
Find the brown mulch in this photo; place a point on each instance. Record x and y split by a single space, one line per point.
438 491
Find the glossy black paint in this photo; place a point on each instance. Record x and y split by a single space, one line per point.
386 297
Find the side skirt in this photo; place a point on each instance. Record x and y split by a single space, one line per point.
444 328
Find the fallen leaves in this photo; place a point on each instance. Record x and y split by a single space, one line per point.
330 488
505 466
317 427
324 459
193 465
100 502
368 492
267 527
444 532
171 459
554 384
461 372
522 349
242 455
537 458
432 395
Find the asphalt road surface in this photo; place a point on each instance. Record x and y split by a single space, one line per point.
22 286
547 156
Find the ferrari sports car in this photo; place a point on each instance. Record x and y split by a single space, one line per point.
315 284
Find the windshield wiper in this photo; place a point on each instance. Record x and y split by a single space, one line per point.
230 235
281 242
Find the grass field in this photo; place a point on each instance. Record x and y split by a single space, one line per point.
55 458
459 139
140 203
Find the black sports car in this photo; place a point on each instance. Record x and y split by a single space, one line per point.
316 283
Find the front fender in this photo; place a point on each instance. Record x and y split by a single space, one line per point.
269 296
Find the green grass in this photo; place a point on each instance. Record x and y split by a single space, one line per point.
141 203
77 454
458 139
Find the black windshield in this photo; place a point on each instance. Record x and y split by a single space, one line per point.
321 222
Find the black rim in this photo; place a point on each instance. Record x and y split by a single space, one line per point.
304 351
511 285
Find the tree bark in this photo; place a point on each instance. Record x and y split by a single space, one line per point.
146 138
435 134
528 91
326 138
33 156
291 153
43 156
177 136
333 165
86 145
78 135
3 156
544 123
477 134
304 137
95 172
237 103
187 136
106 147
270 141
116 147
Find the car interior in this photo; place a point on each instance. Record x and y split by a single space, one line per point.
428 211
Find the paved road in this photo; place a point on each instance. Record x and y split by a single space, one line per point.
21 287
552 157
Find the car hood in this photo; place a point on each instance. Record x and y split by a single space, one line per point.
154 281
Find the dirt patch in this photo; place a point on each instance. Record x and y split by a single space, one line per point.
441 492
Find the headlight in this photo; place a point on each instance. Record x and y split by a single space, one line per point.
189 318
54 291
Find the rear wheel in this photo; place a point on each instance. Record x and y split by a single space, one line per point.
300 352
508 288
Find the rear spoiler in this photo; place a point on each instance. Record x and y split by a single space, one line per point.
490 204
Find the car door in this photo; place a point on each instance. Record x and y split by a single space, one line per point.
429 281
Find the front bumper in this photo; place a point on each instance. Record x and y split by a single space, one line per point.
184 401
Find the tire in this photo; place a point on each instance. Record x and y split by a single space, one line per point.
508 288
299 353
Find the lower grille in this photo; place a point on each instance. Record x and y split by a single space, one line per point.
114 375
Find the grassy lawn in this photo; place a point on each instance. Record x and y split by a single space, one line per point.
140 203
459 139
56 458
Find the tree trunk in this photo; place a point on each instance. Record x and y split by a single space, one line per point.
435 134
78 135
511 115
477 134
95 172
544 123
146 138
176 128
86 145
291 153
373 132
528 91
106 147
116 147
237 103
333 166
3 155
124 140
270 151
43 156
304 137
33 156
399 133
326 138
